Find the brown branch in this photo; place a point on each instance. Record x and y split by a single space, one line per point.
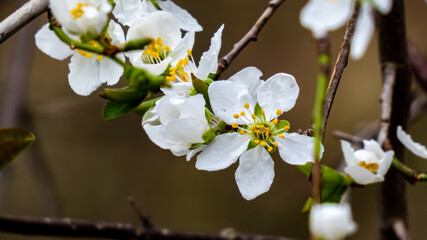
252 35
67 227
418 64
340 64
144 220
22 17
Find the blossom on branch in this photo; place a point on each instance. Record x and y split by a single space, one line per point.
367 165
81 17
414 147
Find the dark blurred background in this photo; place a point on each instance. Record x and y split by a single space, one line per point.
83 166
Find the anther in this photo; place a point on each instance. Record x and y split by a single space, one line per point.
269 149
263 143
279 112
253 116
262 111
286 128
189 52
242 113
256 141
275 121
246 105
242 132
236 116
234 125
275 144
281 136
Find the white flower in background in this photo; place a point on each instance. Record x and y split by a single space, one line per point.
168 46
331 221
234 102
414 147
180 77
176 123
367 165
321 16
128 11
87 70
81 17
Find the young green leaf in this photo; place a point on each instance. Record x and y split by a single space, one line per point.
114 110
12 142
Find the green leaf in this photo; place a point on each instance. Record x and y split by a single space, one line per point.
145 106
12 142
202 88
307 205
114 110
123 95
306 169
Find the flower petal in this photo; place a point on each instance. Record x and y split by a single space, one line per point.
185 20
110 71
296 149
185 132
255 173
373 146
168 108
194 106
407 141
115 32
49 43
364 31
148 8
228 98
84 76
321 16
180 51
179 88
156 135
385 163
127 11
209 61
278 92
155 69
362 175
348 152
222 152
383 6
194 152
250 78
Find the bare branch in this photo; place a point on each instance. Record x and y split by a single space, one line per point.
67 227
340 64
252 35
418 63
22 17
144 220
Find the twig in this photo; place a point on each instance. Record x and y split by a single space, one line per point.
67 227
354 140
418 64
340 64
21 17
144 220
225 61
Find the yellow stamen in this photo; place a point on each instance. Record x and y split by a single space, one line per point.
253 116
249 133
275 144
99 57
242 113
278 112
263 143
256 141
275 121
242 132
281 136
286 128
78 11
234 125
246 105
269 149
262 111
189 52
236 116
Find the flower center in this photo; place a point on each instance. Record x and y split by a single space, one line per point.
372 167
155 52
78 11
262 131
182 71
367 160
88 54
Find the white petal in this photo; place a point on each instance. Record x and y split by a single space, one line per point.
49 43
255 173
383 6
155 69
156 135
364 31
168 108
110 71
150 117
84 76
278 92
348 152
407 141
250 78
180 51
296 149
194 152
362 175
148 8
127 11
61 8
185 132
385 163
321 16
209 60
181 88
185 20
194 107
228 98
157 24
373 146
222 152
115 32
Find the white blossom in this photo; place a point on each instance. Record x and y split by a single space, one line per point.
331 221
367 165
87 70
234 101
81 17
414 147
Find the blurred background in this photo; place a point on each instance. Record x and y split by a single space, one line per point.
83 166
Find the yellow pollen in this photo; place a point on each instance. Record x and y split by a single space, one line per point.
246 105
269 149
267 134
278 112
78 11
281 136
156 49
372 167
263 143
286 128
275 144
256 141
189 52
253 116
234 125
249 133
262 111
242 132
242 113
236 116
275 121
99 57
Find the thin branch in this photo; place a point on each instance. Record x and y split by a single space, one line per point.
340 64
144 220
354 140
225 61
418 63
22 17
66 227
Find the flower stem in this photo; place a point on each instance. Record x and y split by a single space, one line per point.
75 44
410 174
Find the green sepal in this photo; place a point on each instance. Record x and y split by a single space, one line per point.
221 128
258 111
213 76
202 88
208 81
279 127
307 205
146 106
195 146
137 44
251 145
112 2
12 142
123 95
208 115
114 110
209 136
